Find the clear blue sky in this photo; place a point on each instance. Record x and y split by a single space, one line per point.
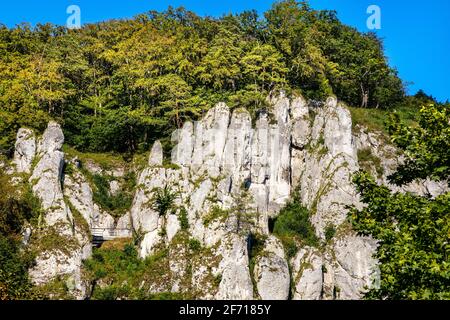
416 32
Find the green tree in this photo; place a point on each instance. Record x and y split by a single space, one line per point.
426 147
163 200
220 67
413 231
151 73
264 67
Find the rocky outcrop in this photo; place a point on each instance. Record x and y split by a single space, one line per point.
381 159
58 228
222 158
25 150
46 179
323 162
236 282
324 159
307 274
230 178
271 271
354 266
78 192
221 161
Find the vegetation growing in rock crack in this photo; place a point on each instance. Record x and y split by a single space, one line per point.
183 219
293 228
116 203
163 200
330 231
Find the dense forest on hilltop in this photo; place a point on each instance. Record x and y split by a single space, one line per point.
118 85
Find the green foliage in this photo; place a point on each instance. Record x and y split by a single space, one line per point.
246 216
56 289
163 200
413 231
106 161
292 226
16 209
118 203
124 275
216 213
121 84
50 239
367 159
426 146
330 231
257 242
217 280
183 219
194 245
14 264
407 111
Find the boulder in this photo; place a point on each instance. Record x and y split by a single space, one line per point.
272 272
25 150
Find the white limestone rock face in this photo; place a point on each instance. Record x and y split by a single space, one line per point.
114 187
149 242
52 139
295 145
344 270
156 155
322 165
144 218
307 274
172 226
236 283
279 156
142 215
123 226
324 159
25 150
79 193
209 141
389 158
272 272
237 154
355 268
46 181
184 140
50 265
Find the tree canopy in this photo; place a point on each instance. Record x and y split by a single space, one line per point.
119 85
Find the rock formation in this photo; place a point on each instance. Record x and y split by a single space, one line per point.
223 167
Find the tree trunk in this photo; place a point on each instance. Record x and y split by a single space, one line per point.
364 97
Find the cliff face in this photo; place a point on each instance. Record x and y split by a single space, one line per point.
224 166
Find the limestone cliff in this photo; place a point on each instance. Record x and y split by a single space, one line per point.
220 167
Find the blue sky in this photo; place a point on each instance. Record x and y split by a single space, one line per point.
416 33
